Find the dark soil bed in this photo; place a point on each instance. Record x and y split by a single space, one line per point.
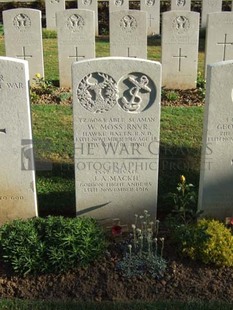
183 280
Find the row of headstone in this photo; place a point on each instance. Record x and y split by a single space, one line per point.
76 40
116 107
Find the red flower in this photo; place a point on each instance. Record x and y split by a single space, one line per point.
231 221
116 230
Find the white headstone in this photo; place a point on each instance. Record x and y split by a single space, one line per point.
116 105
152 7
93 6
209 6
51 8
128 34
118 5
180 35
216 178
181 5
76 40
17 174
219 37
23 38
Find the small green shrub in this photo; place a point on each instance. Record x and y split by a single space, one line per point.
209 241
170 95
53 244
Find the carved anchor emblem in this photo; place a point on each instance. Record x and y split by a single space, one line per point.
134 104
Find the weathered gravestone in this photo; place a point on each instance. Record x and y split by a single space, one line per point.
181 5
216 178
118 5
116 104
76 40
152 7
128 34
209 6
219 37
180 34
51 8
17 175
93 6
23 38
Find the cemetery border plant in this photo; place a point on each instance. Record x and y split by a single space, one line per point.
184 204
52 244
208 241
144 252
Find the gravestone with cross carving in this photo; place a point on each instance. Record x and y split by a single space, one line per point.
23 38
116 106
51 8
219 37
76 40
128 34
17 174
152 7
180 49
209 6
93 6
216 175
118 5
181 5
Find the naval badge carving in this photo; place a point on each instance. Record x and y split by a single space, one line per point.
87 2
180 2
75 22
22 22
137 92
97 92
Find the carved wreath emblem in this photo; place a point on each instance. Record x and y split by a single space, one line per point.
128 23
22 22
75 22
181 24
87 2
150 2
118 2
180 2
97 92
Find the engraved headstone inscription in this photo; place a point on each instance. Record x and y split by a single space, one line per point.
128 34
76 40
216 178
152 7
51 8
93 6
118 5
180 33
181 5
17 174
23 38
209 6
116 105
219 38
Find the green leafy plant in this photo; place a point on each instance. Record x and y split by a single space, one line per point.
143 254
53 244
170 95
201 85
184 203
208 241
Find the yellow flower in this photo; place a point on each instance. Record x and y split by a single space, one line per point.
182 179
38 76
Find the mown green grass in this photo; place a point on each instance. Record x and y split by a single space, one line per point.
46 305
180 143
